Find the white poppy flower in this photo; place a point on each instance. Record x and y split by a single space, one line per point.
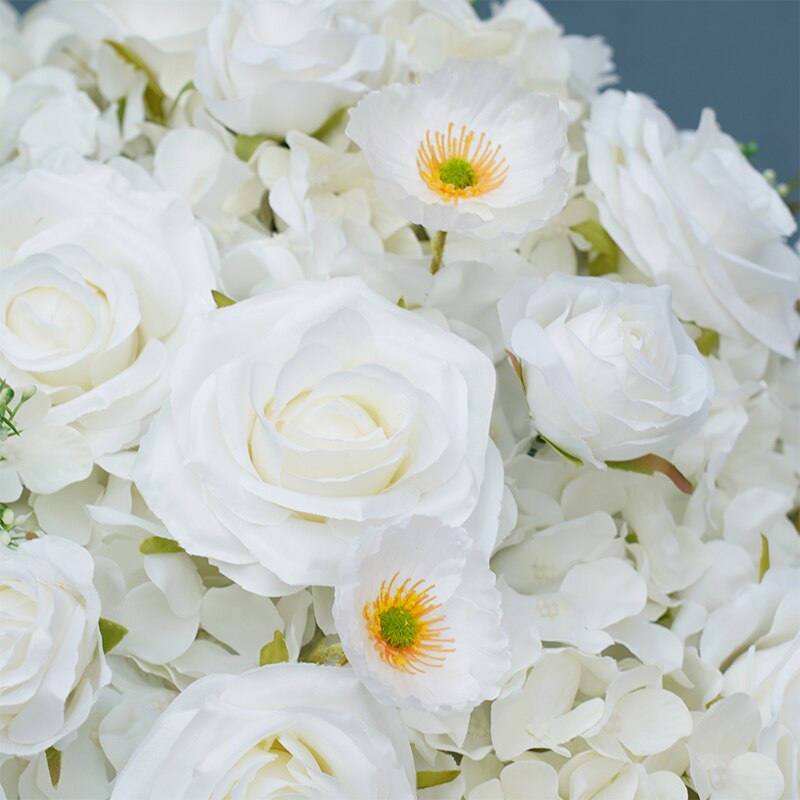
419 618
466 149
53 664
280 730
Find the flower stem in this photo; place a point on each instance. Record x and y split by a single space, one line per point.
437 249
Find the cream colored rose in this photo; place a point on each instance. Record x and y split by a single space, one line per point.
97 281
276 731
272 66
302 417
609 373
53 665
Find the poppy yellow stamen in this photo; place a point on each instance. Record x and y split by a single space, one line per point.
460 167
403 630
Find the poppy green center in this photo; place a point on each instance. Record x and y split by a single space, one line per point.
457 172
399 627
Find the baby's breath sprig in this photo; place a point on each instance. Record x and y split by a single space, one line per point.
11 532
7 412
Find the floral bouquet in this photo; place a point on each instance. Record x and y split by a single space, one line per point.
388 409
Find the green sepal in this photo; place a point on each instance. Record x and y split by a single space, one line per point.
647 465
222 300
112 633
154 97
763 562
159 544
245 145
53 757
275 652
707 342
574 460
605 253
329 124
427 778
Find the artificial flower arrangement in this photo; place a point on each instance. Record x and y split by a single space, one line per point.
390 409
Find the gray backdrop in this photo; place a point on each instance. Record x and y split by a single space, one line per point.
742 57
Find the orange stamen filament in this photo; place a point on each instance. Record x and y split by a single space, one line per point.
487 168
427 647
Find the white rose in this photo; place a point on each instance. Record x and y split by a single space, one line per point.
165 38
54 664
609 373
272 66
275 731
96 281
45 110
692 213
300 417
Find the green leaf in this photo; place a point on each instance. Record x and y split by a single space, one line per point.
154 96
245 145
763 562
707 342
53 757
604 257
647 465
222 300
329 124
574 460
275 652
112 633
159 544
427 778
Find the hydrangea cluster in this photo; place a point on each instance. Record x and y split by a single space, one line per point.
388 409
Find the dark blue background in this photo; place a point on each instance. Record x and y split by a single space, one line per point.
742 57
